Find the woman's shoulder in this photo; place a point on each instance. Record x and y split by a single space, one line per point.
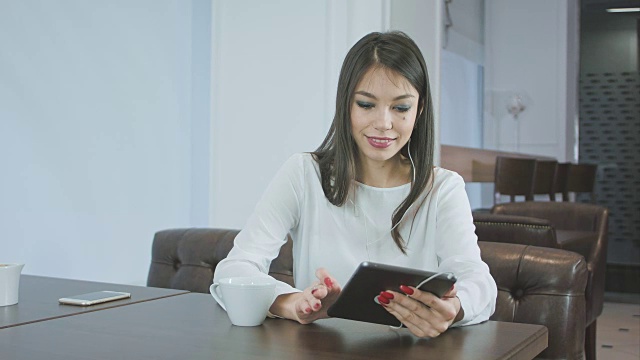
300 160
303 164
443 177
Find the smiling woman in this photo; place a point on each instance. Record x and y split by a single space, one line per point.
370 192
383 115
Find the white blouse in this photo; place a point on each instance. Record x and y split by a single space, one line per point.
440 238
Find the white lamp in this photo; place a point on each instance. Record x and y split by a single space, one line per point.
516 104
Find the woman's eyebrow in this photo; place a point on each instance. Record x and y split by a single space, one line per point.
370 95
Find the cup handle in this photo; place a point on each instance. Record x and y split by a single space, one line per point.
213 289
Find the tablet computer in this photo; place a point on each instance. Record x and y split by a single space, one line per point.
357 299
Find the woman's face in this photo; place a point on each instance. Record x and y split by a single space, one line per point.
383 114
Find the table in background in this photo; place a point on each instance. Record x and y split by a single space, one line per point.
192 326
476 165
38 299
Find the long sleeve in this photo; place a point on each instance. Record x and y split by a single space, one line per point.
277 212
458 252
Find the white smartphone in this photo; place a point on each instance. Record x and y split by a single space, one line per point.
94 298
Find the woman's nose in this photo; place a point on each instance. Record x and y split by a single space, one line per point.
383 120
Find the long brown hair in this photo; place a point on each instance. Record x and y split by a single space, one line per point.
337 155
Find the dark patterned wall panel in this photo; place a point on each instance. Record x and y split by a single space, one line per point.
610 137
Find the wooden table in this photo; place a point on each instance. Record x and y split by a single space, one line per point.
476 165
38 299
192 326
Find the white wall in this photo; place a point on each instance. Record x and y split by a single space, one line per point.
269 96
464 30
96 106
529 50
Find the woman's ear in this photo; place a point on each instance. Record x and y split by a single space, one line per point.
415 124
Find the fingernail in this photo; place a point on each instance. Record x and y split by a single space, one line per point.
387 295
407 290
316 306
313 291
383 300
307 310
328 282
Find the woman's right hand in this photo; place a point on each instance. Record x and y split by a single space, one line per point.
311 304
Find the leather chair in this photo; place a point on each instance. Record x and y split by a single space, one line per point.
560 184
545 178
535 285
514 177
543 286
185 259
581 178
581 228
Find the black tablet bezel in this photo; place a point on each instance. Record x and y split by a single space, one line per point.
356 301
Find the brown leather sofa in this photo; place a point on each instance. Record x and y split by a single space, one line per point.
535 285
578 227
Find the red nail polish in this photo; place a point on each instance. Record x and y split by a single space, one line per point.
387 295
328 282
383 300
307 310
316 306
407 290
313 291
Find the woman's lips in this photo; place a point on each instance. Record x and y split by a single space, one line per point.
380 143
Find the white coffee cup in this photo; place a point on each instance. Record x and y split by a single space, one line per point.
9 283
245 299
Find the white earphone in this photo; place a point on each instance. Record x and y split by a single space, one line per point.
356 207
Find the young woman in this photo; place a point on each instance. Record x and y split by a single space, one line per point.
370 192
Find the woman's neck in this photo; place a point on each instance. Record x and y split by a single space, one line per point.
387 174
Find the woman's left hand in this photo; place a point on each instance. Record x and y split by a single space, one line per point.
423 313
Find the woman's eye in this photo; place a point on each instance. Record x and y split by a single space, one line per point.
403 108
365 105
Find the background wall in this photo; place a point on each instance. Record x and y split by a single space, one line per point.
529 52
269 96
101 108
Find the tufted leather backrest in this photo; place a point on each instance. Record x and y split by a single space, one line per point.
561 215
535 285
186 258
541 286
514 229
